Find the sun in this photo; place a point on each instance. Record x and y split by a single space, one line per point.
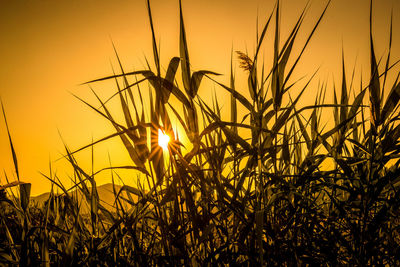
163 139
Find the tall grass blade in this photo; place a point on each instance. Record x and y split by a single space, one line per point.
343 97
184 54
233 99
153 38
14 155
306 44
389 52
374 86
169 78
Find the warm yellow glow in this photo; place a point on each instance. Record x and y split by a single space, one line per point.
163 139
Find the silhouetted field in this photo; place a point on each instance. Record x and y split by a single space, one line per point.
279 186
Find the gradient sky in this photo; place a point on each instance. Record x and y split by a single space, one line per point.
49 47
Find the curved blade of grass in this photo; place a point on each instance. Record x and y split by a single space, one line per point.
374 86
117 76
343 98
153 38
196 80
357 103
233 99
263 35
389 52
275 86
170 76
306 44
14 155
123 168
184 54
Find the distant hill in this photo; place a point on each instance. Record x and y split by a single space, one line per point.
105 192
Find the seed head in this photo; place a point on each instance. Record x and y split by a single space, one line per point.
245 62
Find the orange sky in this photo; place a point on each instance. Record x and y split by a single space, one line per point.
49 47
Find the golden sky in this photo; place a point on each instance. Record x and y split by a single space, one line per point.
49 47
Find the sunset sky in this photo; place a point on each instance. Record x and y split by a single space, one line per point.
48 48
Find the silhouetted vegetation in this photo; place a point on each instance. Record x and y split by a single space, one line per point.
279 186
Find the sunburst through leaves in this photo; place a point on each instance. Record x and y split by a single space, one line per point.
163 139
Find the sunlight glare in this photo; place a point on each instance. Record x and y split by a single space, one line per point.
163 139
